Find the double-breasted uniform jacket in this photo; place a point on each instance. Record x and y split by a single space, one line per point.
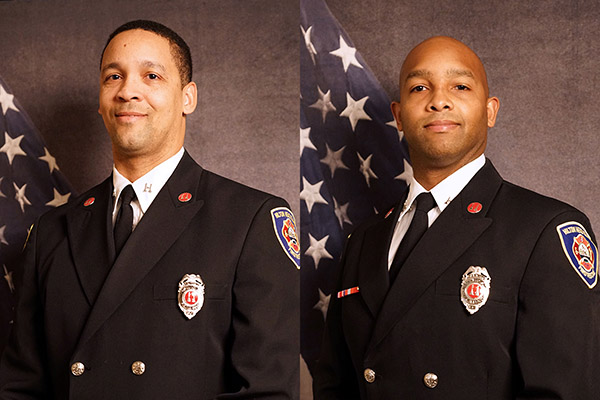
536 337
80 304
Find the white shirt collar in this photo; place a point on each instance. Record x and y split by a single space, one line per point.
146 187
445 191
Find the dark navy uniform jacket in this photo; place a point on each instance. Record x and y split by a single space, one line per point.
536 337
78 304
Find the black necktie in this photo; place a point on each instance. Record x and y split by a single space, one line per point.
417 228
124 220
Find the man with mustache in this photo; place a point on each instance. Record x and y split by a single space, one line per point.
165 281
471 287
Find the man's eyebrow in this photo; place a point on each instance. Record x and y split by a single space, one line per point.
153 65
419 73
460 72
423 73
112 65
146 64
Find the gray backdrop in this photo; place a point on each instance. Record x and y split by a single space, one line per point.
542 61
245 64
541 58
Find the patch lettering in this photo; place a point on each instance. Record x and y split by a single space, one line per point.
284 224
581 252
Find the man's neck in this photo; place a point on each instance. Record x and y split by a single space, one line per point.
134 168
430 176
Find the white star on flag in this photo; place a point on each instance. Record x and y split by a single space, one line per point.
365 168
2 235
50 160
347 54
393 124
341 212
355 110
317 249
407 174
323 303
310 194
308 42
12 147
59 199
20 196
333 159
324 103
7 101
305 142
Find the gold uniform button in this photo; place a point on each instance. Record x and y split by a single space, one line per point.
431 380
369 375
138 368
77 368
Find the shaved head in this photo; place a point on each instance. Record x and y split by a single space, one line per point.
441 47
444 108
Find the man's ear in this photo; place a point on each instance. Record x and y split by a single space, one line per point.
395 106
190 98
492 105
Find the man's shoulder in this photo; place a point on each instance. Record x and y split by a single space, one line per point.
225 189
534 203
86 199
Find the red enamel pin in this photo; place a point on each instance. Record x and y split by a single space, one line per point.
184 197
89 202
474 207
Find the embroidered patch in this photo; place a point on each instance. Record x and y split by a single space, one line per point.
581 252
284 224
347 292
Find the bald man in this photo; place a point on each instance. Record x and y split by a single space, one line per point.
470 286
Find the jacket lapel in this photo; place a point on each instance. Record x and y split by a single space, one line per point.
160 227
451 235
373 280
88 233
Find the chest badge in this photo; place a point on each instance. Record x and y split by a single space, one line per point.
190 295
475 288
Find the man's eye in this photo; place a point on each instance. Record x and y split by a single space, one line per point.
113 77
418 88
462 87
152 76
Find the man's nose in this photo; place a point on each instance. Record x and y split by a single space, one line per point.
440 100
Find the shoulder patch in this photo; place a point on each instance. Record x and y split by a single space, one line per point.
284 224
581 252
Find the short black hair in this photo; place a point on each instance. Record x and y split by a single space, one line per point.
179 48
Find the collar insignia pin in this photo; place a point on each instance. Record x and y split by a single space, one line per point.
474 207
184 197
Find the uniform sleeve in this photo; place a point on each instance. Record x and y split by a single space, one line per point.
334 376
558 328
22 372
265 329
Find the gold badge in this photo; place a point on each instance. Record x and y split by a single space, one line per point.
475 288
190 295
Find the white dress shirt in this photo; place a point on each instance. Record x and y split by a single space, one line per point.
443 193
146 187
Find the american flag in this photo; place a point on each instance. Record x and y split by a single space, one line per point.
353 161
30 183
